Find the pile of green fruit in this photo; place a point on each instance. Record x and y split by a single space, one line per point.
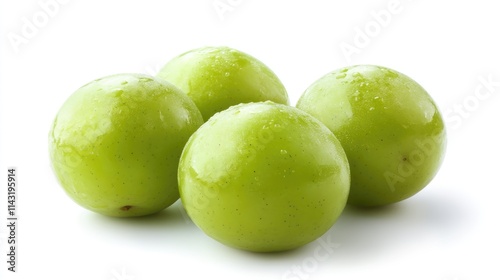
215 128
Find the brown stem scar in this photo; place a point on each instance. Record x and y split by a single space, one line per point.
126 207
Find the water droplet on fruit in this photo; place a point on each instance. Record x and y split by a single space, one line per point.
227 74
118 93
283 152
326 171
145 79
364 84
372 108
391 74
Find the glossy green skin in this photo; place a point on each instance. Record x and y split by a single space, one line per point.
263 177
216 78
116 142
389 126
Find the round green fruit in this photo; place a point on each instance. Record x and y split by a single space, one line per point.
389 126
263 177
216 78
115 144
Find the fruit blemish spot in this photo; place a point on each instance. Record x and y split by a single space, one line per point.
126 207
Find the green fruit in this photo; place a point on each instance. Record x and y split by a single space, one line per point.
263 177
389 126
216 78
116 142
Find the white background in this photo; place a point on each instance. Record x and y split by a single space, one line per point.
449 231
